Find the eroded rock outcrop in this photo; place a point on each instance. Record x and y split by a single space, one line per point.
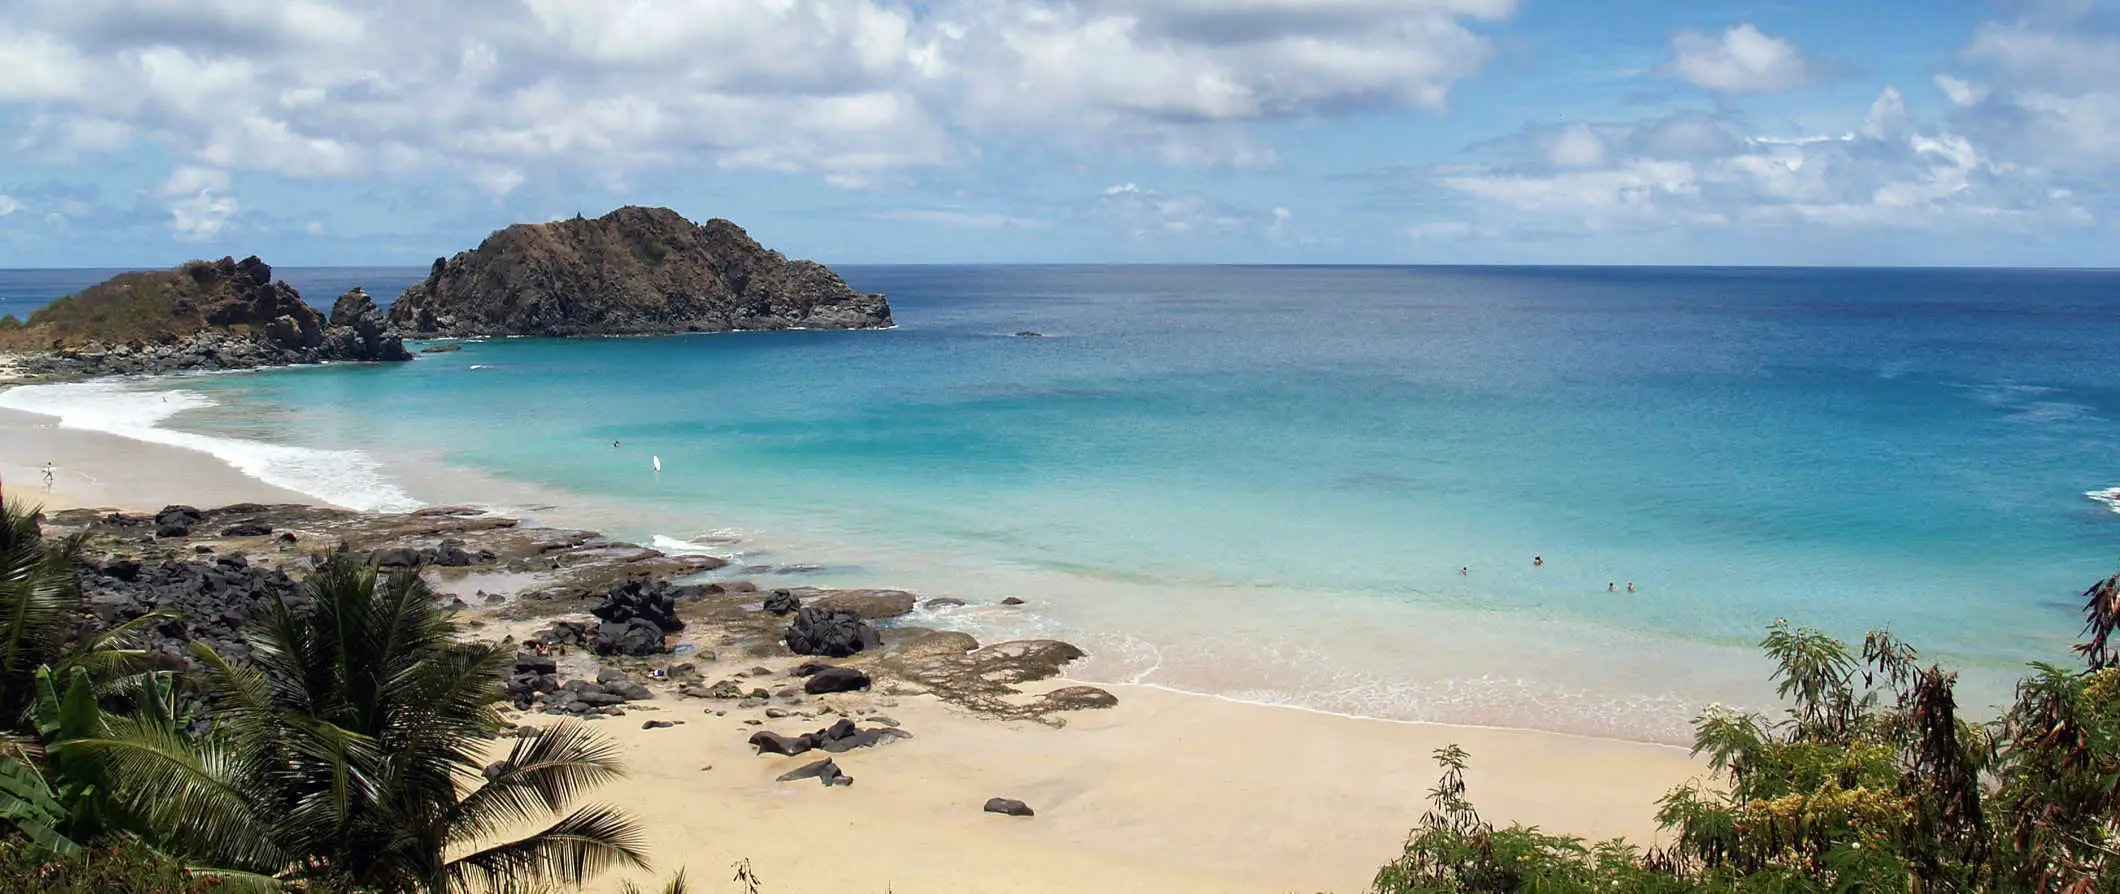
630 272
224 314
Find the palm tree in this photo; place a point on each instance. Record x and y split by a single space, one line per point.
43 622
354 750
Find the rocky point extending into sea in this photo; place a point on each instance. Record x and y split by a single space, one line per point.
602 627
634 271
204 315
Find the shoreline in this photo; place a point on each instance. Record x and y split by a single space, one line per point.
1166 791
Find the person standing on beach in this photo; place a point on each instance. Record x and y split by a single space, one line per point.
50 476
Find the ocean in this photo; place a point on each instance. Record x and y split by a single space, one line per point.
1314 486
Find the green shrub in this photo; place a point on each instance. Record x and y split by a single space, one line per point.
1870 782
112 867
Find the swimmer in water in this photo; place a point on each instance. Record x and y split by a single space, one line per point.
1538 560
1609 588
1466 570
1630 586
614 445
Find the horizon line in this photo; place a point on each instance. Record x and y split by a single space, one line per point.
2083 268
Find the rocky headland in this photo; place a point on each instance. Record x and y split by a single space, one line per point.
204 315
634 271
603 627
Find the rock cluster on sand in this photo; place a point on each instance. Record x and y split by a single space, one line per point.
1009 807
224 314
208 600
826 771
831 632
636 616
839 737
535 684
633 271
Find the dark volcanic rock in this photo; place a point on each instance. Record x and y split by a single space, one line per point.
782 602
834 633
362 332
397 557
838 738
633 271
824 771
636 615
1008 807
442 349
247 529
224 314
836 679
210 601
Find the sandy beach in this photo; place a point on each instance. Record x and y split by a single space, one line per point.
1166 792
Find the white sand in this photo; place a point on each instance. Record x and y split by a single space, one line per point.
1165 793
97 469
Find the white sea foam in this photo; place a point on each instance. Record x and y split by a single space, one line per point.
345 478
675 546
2110 497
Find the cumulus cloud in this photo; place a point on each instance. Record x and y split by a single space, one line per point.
2046 85
1740 60
1149 213
199 207
501 91
1700 170
8 205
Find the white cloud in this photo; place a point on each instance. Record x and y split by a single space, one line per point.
1700 172
2045 86
8 205
314 228
191 179
1960 93
851 90
1577 147
198 208
1149 213
1740 60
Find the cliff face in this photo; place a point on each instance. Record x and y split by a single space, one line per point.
224 314
631 272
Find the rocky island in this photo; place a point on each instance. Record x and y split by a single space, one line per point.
634 271
224 314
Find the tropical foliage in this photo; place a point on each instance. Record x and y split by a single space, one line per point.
349 750
1870 781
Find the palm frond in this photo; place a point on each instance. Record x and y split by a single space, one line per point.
190 789
28 804
542 774
588 842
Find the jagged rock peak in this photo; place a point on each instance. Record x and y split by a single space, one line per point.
224 314
633 271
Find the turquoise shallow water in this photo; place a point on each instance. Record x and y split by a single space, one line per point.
1264 482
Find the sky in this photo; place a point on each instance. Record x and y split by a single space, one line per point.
390 132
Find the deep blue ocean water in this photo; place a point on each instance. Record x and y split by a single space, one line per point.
1265 482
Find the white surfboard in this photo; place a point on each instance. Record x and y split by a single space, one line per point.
657 460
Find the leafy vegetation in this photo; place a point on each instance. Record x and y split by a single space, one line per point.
1869 782
350 754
